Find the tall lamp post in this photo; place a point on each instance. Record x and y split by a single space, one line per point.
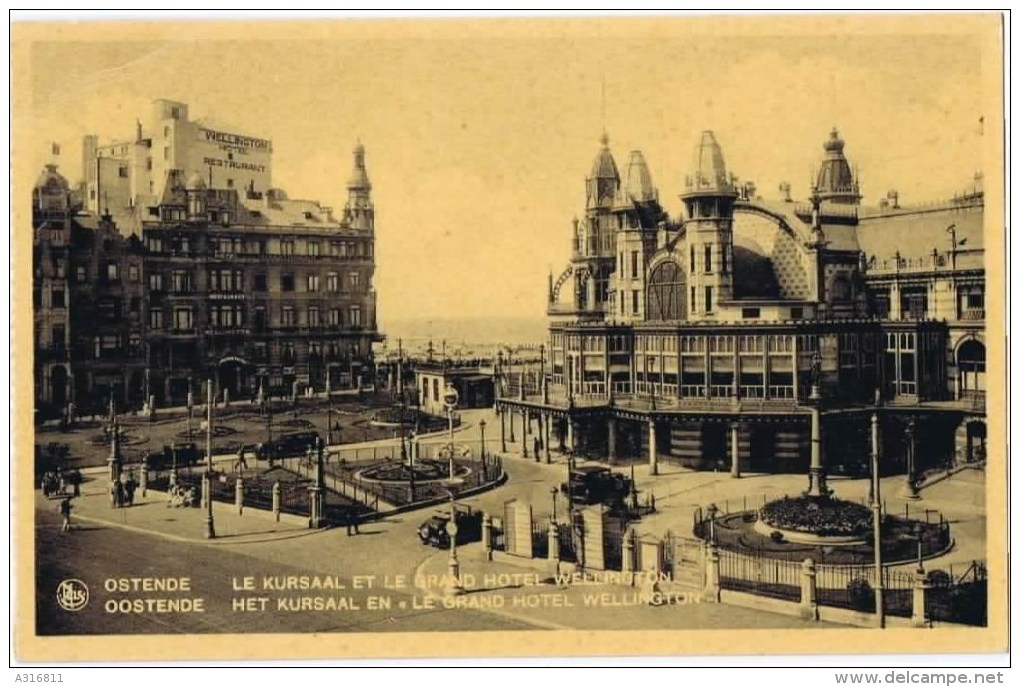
450 399
910 487
329 412
553 491
210 530
454 587
191 407
876 527
919 536
481 426
712 511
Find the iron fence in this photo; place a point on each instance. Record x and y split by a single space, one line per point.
759 575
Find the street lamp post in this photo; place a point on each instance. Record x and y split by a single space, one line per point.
712 512
315 491
481 426
191 406
329 412
450 398
454 587
876 516
910 487
919 535
553 491
210 530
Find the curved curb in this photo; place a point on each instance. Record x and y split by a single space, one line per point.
249 539
429 594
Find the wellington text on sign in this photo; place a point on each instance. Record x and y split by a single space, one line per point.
235 140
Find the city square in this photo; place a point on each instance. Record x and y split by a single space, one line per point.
284 382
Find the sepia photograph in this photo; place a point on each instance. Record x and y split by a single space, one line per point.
522 336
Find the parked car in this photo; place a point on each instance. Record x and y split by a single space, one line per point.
592 484
188 454
434 532
288 445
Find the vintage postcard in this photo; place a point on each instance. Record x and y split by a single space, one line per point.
675 335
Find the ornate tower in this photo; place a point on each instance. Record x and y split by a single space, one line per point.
836 183
709 202
359 211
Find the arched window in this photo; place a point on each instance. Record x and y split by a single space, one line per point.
970 360
665 298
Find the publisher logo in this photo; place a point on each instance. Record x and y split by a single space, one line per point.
72 595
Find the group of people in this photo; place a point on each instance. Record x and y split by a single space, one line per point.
178 496
123 491
56 482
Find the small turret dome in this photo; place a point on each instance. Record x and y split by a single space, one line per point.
639 179
708 171
604 180
835 180
359 175
604 166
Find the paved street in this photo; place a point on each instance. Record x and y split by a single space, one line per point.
152 540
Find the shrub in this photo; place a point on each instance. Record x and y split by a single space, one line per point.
824 517
776 536
862 596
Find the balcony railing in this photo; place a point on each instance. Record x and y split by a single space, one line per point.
971 314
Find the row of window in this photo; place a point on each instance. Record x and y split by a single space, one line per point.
234 245
233 315
231 280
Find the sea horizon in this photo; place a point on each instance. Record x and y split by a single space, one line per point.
462 333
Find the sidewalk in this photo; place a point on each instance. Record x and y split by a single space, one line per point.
525 590
151 515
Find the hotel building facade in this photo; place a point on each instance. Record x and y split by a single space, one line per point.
149 282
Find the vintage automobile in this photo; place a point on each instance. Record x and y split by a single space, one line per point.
591 484
188 454
287 446
434 531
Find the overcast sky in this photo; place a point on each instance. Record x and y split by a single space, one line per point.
479 138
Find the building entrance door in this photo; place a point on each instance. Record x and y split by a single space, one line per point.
763 449
714 446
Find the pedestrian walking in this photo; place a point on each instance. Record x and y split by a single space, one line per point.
76 481
118 494
242 464
538 446
129 490
65 513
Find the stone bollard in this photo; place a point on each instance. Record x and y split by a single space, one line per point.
487 536
628 551
554 542
276 500
712 587
239 495
152 408
919 615
226 398
143 476
808 590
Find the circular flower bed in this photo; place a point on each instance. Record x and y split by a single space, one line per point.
424 470
825 517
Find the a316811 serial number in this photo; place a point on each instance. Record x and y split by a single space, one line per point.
39 677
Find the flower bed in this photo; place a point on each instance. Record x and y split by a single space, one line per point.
825 517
